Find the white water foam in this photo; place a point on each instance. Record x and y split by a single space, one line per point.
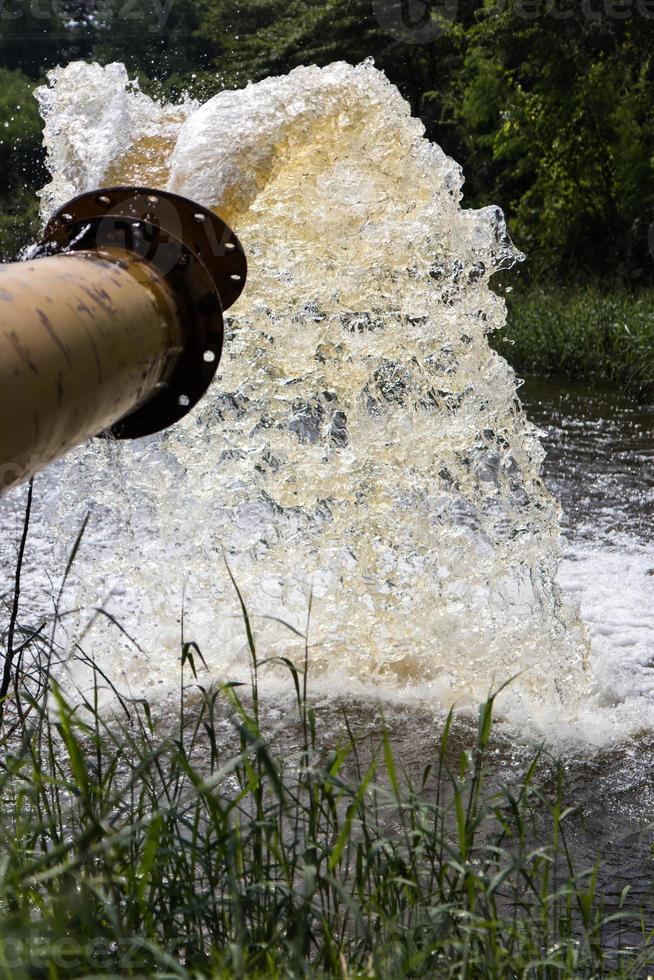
614 584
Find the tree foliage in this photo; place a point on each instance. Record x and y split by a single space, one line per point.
557 125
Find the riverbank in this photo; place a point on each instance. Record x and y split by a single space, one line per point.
582 334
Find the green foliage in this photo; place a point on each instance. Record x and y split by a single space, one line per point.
19 224
21 162
20 129
558 128
31 36
582 333
259 37
159 41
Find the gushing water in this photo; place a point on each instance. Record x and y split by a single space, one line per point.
362 462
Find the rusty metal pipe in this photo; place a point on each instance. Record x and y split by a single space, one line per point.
85 341
114 326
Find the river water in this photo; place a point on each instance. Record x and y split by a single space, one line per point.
600 445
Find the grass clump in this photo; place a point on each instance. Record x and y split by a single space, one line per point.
133 845
128 851
583 333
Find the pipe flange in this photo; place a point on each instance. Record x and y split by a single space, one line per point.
203 232
197 254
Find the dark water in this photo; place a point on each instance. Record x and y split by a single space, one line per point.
599 464
600 456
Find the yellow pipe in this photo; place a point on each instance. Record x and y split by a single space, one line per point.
123 336
84 341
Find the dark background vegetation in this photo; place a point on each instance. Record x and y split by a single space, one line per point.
547 106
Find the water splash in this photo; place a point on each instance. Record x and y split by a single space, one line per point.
100 128
362 446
